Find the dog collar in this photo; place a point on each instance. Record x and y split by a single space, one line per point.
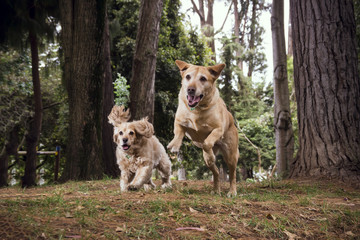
192 108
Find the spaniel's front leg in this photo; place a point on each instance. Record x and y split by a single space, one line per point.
142 176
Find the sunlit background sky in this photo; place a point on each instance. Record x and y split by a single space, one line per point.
220 10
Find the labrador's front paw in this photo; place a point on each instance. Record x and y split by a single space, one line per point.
174 146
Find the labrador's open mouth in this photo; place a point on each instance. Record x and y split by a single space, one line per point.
193 101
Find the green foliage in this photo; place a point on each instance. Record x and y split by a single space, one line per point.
16 103
260 131
175 42
121 90
19 16
251 105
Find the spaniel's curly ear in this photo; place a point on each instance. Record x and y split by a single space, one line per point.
118 115
144 127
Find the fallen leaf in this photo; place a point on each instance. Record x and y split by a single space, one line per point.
193 210
345 204
247 202
290 235
73 236
79 207
319 219
119 229
171 213
68 215
350 233
270 216
312 209
222 230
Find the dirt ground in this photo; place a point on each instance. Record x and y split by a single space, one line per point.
303 209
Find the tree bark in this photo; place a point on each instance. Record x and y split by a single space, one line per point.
32 138
10 148
237 34
109 146
142 84
207 23
284 137
82 35
252 36
327 89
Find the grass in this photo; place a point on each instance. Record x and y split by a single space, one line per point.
97 210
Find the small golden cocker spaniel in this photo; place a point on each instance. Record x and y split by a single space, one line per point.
138 152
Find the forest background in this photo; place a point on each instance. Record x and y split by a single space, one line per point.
251 102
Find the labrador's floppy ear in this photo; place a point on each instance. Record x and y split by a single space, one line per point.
216 70
118 115
144 128
182 65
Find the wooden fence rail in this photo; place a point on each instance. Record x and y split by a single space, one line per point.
57 159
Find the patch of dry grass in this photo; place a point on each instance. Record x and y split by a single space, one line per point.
96 210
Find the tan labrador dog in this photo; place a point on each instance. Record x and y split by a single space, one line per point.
202 116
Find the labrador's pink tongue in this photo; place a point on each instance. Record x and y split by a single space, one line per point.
193 99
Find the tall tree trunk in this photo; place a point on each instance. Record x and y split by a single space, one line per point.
10 148
290 41
82 35
237 34
252 36
327 89
206 23
109 146
32 138
142 91
284 137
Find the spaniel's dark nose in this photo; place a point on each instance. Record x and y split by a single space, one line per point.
125 140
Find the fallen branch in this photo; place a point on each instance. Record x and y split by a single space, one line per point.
190 228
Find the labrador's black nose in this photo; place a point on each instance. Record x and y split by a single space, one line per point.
191 91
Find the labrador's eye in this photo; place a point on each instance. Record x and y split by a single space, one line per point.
121 133
203 79
131 133
188 77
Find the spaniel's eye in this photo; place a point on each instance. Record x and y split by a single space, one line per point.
121 133
203 79
188 77
131 133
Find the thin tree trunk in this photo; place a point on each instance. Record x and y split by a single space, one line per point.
327 89
181 173
142 91
4 163
109 158
82 36
252 36
282 118
32 138
10 148
290 41
207 24
237 34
